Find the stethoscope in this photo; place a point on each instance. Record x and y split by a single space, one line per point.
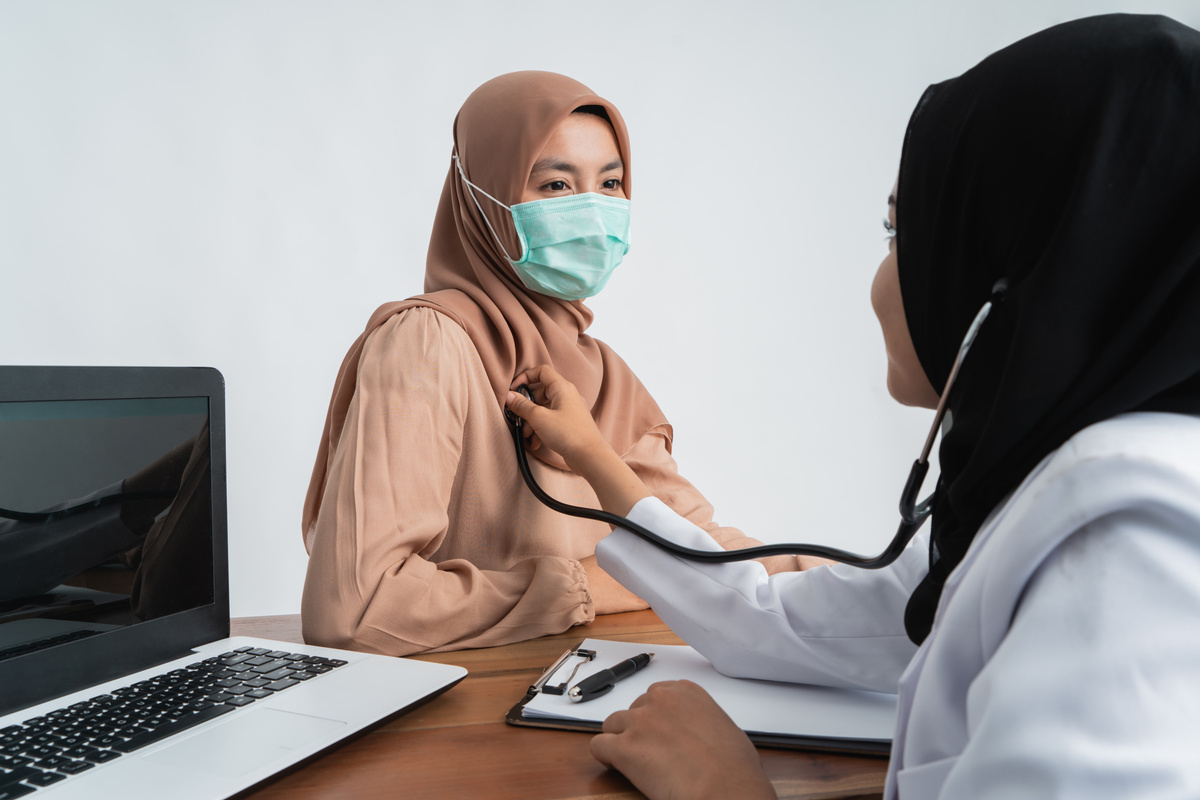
912 513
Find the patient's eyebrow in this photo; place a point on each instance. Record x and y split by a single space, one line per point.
891 199
557 165
554 165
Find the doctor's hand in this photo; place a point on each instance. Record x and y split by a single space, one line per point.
562 421
675 743
557 417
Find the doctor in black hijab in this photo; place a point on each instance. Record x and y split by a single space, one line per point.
1067 164
1058 180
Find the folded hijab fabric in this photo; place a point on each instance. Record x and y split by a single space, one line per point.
498 134
1068 164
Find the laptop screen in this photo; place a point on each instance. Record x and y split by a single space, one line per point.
106 522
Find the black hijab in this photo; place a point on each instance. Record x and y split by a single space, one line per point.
1069 164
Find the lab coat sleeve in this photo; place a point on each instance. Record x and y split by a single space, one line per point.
829 625
1093 691
373 581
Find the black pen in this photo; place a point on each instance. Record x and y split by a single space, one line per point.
603 681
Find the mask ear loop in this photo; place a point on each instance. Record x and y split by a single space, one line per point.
488 222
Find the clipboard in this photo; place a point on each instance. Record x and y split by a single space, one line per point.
777 715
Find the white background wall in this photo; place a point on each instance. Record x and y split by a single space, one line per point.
239 183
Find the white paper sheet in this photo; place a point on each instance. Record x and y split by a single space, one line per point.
758 706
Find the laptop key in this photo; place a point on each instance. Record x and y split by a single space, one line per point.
238 659
279 686
41 751
277 674
75 767
15 790
270 666
44 778
16 776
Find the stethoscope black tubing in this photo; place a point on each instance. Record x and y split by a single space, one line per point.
903 535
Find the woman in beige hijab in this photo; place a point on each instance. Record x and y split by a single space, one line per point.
420 532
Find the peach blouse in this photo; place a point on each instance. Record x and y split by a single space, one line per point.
427 538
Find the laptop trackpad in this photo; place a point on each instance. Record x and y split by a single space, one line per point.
250 740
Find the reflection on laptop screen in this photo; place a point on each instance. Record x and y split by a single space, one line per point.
105 516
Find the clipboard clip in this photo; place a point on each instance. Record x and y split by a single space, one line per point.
583 655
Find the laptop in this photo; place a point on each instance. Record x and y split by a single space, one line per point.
117 676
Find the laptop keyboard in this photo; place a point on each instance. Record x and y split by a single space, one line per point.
46 749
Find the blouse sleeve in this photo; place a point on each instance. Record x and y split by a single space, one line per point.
830 625
372 584
651 460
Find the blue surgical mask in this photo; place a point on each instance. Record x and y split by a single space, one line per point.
569 245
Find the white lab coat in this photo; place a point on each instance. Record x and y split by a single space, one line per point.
1064 659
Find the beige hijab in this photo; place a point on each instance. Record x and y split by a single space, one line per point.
498 134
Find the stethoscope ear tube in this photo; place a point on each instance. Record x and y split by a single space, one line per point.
904 533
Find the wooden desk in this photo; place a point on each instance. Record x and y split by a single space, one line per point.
458 745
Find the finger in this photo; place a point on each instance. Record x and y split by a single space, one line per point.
520 405
616 722
545 376
603 748
524 376
658 688
534 375
642 699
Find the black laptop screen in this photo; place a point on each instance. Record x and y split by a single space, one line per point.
105 516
